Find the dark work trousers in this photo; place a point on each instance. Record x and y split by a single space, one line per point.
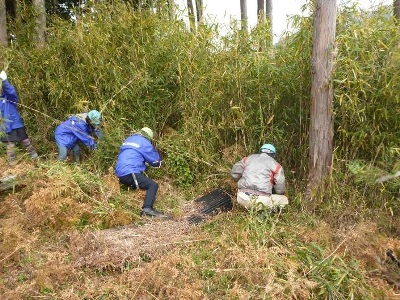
145 183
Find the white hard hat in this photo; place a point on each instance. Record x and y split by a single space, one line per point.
147 131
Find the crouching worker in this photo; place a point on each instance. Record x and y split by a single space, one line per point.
12 126
84 128
261 179
137 151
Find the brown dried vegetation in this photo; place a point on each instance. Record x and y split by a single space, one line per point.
47 252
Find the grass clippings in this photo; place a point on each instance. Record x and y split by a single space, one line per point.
113 248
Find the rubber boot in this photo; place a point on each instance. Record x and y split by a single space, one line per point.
11 153
30 149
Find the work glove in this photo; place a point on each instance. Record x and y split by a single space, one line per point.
3 75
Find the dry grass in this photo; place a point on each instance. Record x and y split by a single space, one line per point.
113 248
41 255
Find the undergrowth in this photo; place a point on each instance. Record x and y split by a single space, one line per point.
294 253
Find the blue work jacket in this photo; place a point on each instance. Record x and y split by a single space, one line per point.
134 153
74 130
8 106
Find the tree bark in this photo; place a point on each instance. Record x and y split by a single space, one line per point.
40 22
261 21
260 11
3 24
268 10
321 118
396 10
199 11
192 20
171 9
243 14
268 16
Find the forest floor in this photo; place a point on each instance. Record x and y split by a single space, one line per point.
42 256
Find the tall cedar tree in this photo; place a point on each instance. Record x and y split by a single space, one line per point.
40 22
199 11
192 20
3 24
260 11
321 118
268 16
396 10
243 14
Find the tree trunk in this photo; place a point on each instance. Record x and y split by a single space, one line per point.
261 21
268 10
268 16
260 11
40 22
243 15
192 21
171 9
3 24
396 10
199 11
321 118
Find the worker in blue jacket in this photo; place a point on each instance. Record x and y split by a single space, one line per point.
135 153
84 128
11 124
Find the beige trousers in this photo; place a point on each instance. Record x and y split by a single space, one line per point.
269 201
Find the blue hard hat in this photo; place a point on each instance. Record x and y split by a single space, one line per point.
95 117
268 148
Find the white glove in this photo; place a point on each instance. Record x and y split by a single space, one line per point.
3 75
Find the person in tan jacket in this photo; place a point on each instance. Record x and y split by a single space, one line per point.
261 179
